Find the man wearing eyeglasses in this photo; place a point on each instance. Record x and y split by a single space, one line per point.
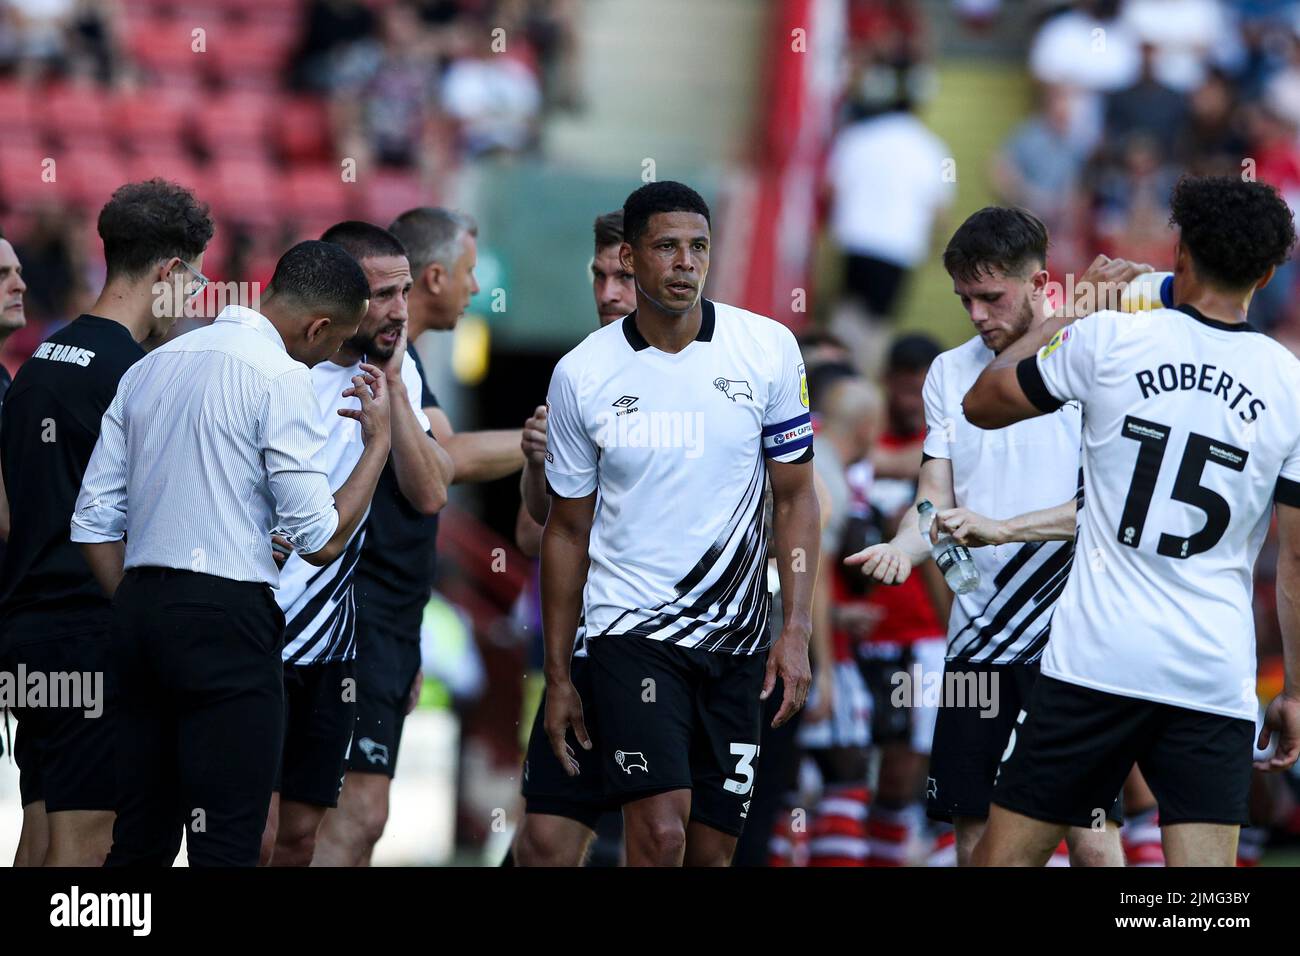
56 618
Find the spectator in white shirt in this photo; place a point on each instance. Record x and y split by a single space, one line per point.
890 179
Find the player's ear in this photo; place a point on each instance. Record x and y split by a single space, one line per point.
625 256
167 266
1267 277
314 329
1038 283
427 277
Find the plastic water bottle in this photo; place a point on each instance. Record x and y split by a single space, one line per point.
1150 290
954 559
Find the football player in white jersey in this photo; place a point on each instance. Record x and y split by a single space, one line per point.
1010 495
677 414
1191 435
320 636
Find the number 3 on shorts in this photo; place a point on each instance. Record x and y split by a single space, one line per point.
744 768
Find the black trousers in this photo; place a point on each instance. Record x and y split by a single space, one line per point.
201 720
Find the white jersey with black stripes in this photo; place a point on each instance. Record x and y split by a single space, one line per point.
318 603
1002 473
676 445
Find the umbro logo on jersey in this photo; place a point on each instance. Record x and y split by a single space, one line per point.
629 760
734 388
624 405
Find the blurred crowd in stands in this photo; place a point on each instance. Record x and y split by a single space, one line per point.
285 115
1129 94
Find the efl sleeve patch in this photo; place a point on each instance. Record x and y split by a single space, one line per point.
1060 338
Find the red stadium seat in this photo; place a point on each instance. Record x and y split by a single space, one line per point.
165 46
250 46
18 111
77 114
243 58
149 120
25 176
172 165
318 193
300 127
389 193
244 189
282 9
93 175
234 124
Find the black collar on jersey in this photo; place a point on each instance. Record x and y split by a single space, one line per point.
638 342
89 318
1215 323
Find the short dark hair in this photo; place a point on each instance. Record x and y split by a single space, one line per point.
432 235
816 338
363 240
652 198
321 276
608 229
912 353
1233 229
149 222
1001 238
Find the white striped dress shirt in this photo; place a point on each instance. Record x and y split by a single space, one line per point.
212 440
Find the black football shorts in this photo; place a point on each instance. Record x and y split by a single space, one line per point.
1076 745
674 718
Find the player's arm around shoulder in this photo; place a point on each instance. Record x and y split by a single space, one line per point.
1019 383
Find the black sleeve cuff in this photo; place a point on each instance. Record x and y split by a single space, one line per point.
555 494
1287 492
1035 389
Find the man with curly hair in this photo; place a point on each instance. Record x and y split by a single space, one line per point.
56 618
1191 436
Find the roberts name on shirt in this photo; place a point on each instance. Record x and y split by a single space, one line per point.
1186 376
